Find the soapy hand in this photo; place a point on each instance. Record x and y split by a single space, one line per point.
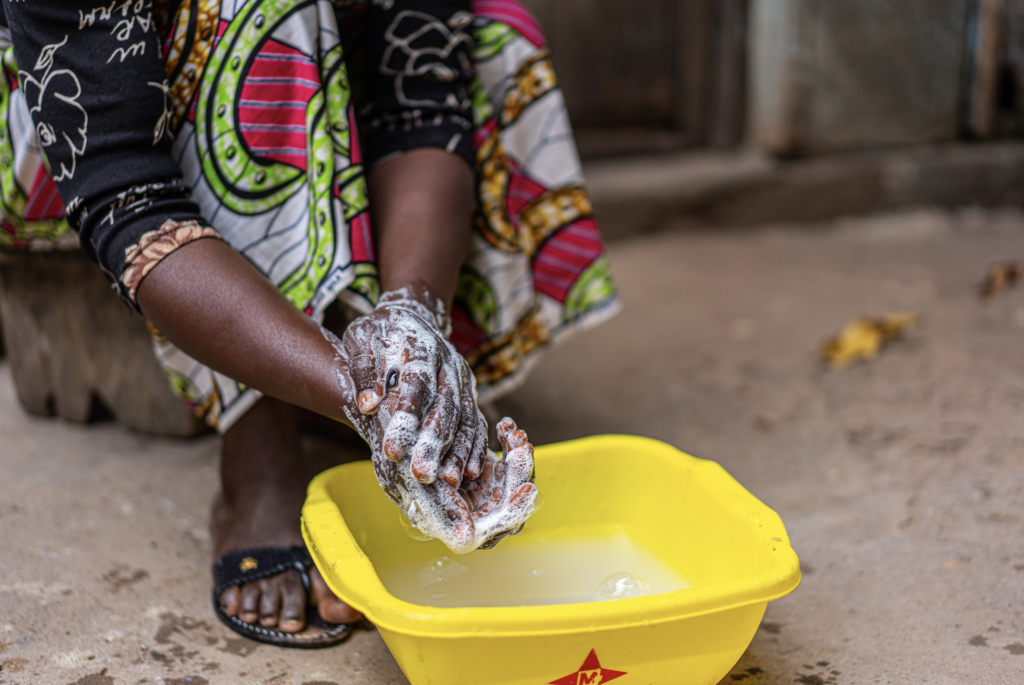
482 512
413 399
503 496
399 353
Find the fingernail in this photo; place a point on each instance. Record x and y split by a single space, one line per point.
367 401
393 451
425 477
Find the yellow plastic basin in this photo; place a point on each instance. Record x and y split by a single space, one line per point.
690 512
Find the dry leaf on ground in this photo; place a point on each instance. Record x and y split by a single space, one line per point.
1000 277
864 337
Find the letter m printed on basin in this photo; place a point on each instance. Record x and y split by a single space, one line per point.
590 673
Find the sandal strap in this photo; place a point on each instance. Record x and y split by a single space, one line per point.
247 565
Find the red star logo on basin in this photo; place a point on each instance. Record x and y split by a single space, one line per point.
590 673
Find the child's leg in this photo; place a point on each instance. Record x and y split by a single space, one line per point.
263 485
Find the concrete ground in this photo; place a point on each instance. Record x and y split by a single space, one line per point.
900 481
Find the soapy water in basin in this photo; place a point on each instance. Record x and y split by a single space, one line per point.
623 585
538 571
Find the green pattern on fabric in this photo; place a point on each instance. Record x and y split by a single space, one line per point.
183 387
241 183
367 282
491 39
482 109
302 284
354 198
477 296
593 287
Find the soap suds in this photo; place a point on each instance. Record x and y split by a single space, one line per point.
479 497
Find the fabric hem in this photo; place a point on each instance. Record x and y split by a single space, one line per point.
154 246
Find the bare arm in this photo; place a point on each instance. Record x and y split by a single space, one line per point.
216 307
422 215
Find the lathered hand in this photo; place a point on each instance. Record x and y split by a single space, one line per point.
400 348
415 400
503 496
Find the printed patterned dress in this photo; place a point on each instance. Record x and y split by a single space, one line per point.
263 114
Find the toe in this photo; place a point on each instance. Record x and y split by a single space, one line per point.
293 603
270 602
231 600
249 607
331 609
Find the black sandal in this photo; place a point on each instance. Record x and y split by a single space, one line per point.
238 568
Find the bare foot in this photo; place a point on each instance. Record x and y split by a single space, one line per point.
263 486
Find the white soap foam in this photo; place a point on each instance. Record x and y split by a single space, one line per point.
403 325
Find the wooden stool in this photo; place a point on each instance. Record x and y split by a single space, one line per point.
75 350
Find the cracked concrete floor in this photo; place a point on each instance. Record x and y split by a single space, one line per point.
900 481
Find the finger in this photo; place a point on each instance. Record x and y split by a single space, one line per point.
515 439
524 495
415 396
437 433
475 494
367 378
511 521
508 506
370 391
293 604
454 505
270 602
509 518
389 478
518 468
479 453
460 531
459 453
249 609
504 427
454 463
487 497
469 489
483 486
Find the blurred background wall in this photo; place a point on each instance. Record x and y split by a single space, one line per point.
788 77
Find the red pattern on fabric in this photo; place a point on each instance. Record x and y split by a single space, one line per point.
43 199
522 192
272 107
361 238
356 152
466 335
485 131
512 13
564 256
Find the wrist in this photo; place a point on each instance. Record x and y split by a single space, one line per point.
333 394
416 298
